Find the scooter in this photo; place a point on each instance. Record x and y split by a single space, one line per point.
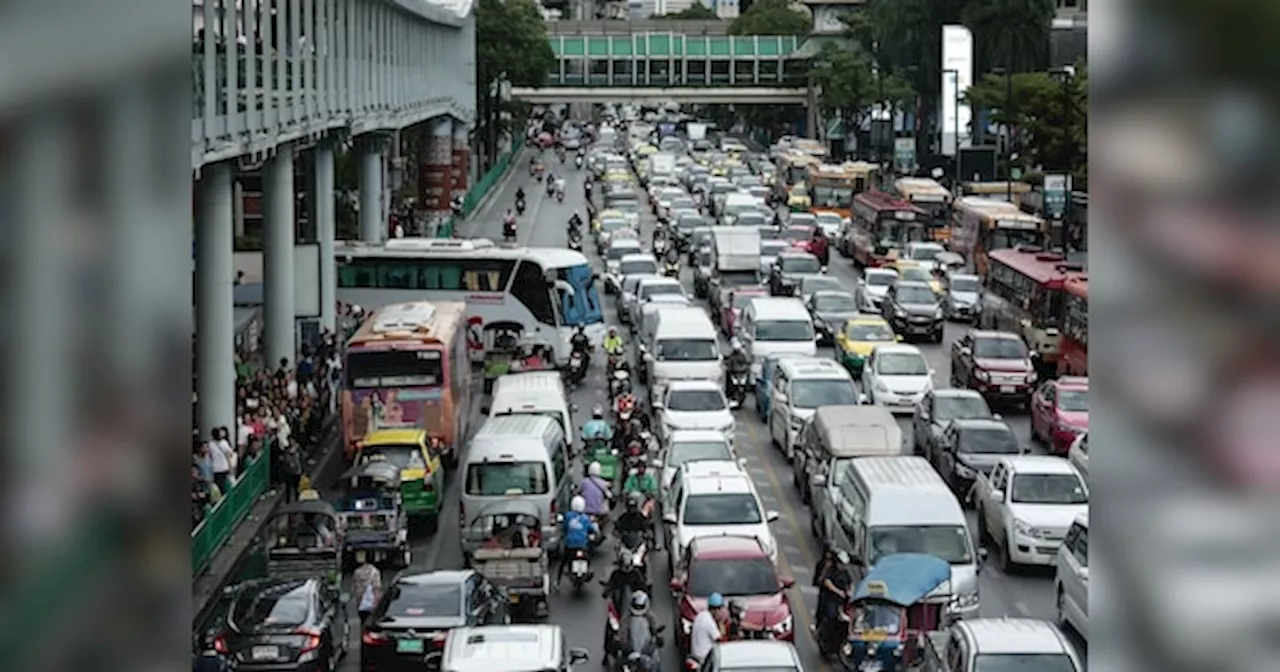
580 570
520 206
737 389
559 195
509 231
578 162
671 269
577 367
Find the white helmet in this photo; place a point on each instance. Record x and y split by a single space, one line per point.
735 343
578 504
593 469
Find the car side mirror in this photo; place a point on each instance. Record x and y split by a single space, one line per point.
997 416
579 655
669 518
897 337
742 462
771 516
997 495
819 480
932 372
786 581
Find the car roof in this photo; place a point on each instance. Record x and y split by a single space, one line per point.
813 367
883 270
914 283
729 546
1073 383
659 280
692 385
757 654
713 468
899 348
436 578
1039 464
981 423
638 256
1014 635
625 242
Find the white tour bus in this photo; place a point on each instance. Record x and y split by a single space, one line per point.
545 292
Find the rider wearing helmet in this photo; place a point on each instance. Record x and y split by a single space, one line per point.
597 427
638 608
737 363
577 530
613 342
633 519
641 482
595 490
706 631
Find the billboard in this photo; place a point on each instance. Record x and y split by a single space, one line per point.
957 77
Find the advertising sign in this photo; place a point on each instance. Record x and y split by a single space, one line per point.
904 155
957 77
1057 189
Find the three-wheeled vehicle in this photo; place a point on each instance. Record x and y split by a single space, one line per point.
511 555
421 469
501 348
894 606
304 539
372 511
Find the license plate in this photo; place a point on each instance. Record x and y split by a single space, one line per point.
409 646
265 652
1008 389
871 667
514 599
579 566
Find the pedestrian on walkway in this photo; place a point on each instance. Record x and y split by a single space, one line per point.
221 459
368 585
291 470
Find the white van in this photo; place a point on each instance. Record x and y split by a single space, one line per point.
776 326
735 204
685 347
515 458
798 388
887 505
533 393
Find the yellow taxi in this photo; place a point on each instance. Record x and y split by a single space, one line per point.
912 270
858 337
618 175
421 472
611 213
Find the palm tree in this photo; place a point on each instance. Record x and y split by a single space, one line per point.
1012 34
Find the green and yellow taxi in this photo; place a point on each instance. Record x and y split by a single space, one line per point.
912 270
611 213
421 472
858 337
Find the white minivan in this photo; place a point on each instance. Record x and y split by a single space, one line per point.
684 346
533 393
799 388
776 326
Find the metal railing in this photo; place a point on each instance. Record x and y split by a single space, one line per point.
221 521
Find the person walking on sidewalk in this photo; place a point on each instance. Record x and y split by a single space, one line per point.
368 586
291 470
221 459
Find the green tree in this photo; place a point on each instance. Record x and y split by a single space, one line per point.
771 17
1012 34
1050 116
512 40
695 12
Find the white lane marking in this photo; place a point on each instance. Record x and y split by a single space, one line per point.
791 549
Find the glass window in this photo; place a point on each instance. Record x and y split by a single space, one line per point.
475 275
722 509
680 453
695 401
901 364
868 331
394 368
969 285
732 576
281 606
530 288
801 264
988 441
404 456
1022 662
1081 548
949 542
816 393
916 296
687 350
784 330
960 408
496 479
1048 489
999 348
409 600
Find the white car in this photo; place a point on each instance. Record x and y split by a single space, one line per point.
769 251
619 248
694 404
829 223
923 252
689 445
1071 577
665 196
1026 504
648 288
753 655
873 286
1078 454
627 294
896 376
714 498
640 263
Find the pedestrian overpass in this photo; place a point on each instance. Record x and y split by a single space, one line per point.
661 66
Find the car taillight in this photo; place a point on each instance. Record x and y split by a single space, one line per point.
371 638
555 508
220 645
312 641
439 637
462 515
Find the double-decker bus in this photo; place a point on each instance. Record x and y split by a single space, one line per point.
1074 360
833 186
1027 296
980 226
933 198
881 226
407 366
547 292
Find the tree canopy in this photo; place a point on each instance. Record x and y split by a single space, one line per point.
512 39
1050 114
696 11
771 17
851 81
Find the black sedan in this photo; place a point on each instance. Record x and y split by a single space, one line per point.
937 409
285 625
416 613
971 447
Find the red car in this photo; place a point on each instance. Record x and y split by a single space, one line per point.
809 239
737 567
1060 412
736 301
995 363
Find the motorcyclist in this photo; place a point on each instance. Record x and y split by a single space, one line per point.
209 659
577 531
560 187
659 240
628 434
519 193
597 427
737 363
639 609
581 344
613 344
672 254
551 184
833 580
509 224
596 492
641 482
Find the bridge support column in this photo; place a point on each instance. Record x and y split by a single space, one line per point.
322 198
461 159
277 257
434 169
215 324
811 112
372 219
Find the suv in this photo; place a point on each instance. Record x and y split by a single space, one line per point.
1071 577
912 308
938 408
736 566
995 363
713 498
970 447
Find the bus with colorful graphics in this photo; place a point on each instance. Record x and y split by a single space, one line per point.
930 196
880 228
980 226
543 294
407 367
832 186
1074 359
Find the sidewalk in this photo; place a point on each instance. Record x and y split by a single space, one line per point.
207 587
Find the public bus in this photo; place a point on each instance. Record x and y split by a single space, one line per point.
1010 192
982 225
1074 345
833 186
793 171
407 366
881 226
546 293
1026 295
933 198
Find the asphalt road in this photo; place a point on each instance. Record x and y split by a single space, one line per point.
1028 594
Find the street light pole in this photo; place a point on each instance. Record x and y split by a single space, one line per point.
1008 127
1067 74
955 75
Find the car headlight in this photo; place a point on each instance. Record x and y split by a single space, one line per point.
965 471
981 375
898 312
881 387
1027 530
783 627
937 314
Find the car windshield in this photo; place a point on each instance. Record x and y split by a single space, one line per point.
496 479
961 408
926 252
835 302
832 197
999 348
409 600
988 441
916 296
802 220
407 456
283 606
687 350
732 576
801 264
868 331
966 285
771 248
737 508
659 289
949 542
695 401
750 219
901 364
688 451
815 393
881 279
1048 489
617 252
915 273
683 203
828 219
1023 662
741 301
1073 401
784 330
811 285
639 267
611 225
797 234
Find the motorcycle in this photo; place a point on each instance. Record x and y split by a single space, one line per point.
646 647
633 557
520 206
509 231
580 569
624 407
737 389
671 269
578 162
560 195
551 188
575 244
659 247
577 367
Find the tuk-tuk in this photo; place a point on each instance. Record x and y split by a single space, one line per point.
372 512
889 613
304 539
511 555
501 348
421 468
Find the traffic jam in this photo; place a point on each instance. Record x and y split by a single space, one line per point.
829 420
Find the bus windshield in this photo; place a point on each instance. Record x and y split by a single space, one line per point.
580 301
1003 239
394 368
832 197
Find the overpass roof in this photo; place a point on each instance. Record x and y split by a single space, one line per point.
612 27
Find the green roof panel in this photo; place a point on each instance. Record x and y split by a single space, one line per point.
621 46
695 46
660 44
744 46
598 46
574 46
719 46
556 46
